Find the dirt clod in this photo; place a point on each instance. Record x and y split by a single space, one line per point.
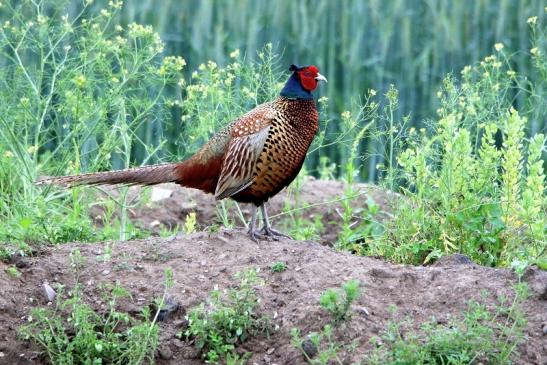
309 348
170 306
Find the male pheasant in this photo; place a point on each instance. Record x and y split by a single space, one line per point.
250 160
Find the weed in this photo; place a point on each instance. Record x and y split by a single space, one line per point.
464 191
190 223
481 336
73 332
13 272
228 319
279 266
338 302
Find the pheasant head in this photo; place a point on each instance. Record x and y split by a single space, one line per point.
302 82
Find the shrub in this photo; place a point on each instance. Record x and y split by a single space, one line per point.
338 302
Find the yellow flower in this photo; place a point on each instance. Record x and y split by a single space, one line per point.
511 73
346 114
32 149
115 4
372 92
234 53
79 80
498 46
532 20
535 51
8 154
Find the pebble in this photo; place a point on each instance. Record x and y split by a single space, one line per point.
48 291
165 353
544 329
362 311
170 306
178 343
309 348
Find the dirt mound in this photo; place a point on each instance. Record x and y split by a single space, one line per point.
200 261
167 205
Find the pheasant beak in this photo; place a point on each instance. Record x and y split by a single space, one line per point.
320 77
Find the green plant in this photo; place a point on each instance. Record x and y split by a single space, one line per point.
338 302
227 320
464 191
81 90
13 272
480 336
73 333
279 266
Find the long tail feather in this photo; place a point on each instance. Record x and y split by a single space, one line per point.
147 175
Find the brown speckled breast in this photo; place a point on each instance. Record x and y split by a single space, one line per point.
291 133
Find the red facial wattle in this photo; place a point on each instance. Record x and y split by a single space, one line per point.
308 77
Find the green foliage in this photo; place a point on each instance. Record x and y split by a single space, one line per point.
480 336
76 90
73 333
463 191
227 320
13 272
279 266
356 44
338 302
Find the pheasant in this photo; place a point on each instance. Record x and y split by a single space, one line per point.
250 160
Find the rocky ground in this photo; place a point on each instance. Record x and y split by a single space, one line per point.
201 261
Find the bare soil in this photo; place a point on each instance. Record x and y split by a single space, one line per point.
202 260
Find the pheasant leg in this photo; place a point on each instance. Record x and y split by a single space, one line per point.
267 232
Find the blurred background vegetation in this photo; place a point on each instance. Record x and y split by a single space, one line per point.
358 45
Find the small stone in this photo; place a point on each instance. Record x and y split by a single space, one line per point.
105 272
544 329
270 351
178 343
170 306
165 353
160 194
362 311
181 323
309 348
48 291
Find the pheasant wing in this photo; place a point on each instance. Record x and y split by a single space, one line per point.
248 136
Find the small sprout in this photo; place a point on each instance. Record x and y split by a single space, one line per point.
13 272
331 300
279 266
